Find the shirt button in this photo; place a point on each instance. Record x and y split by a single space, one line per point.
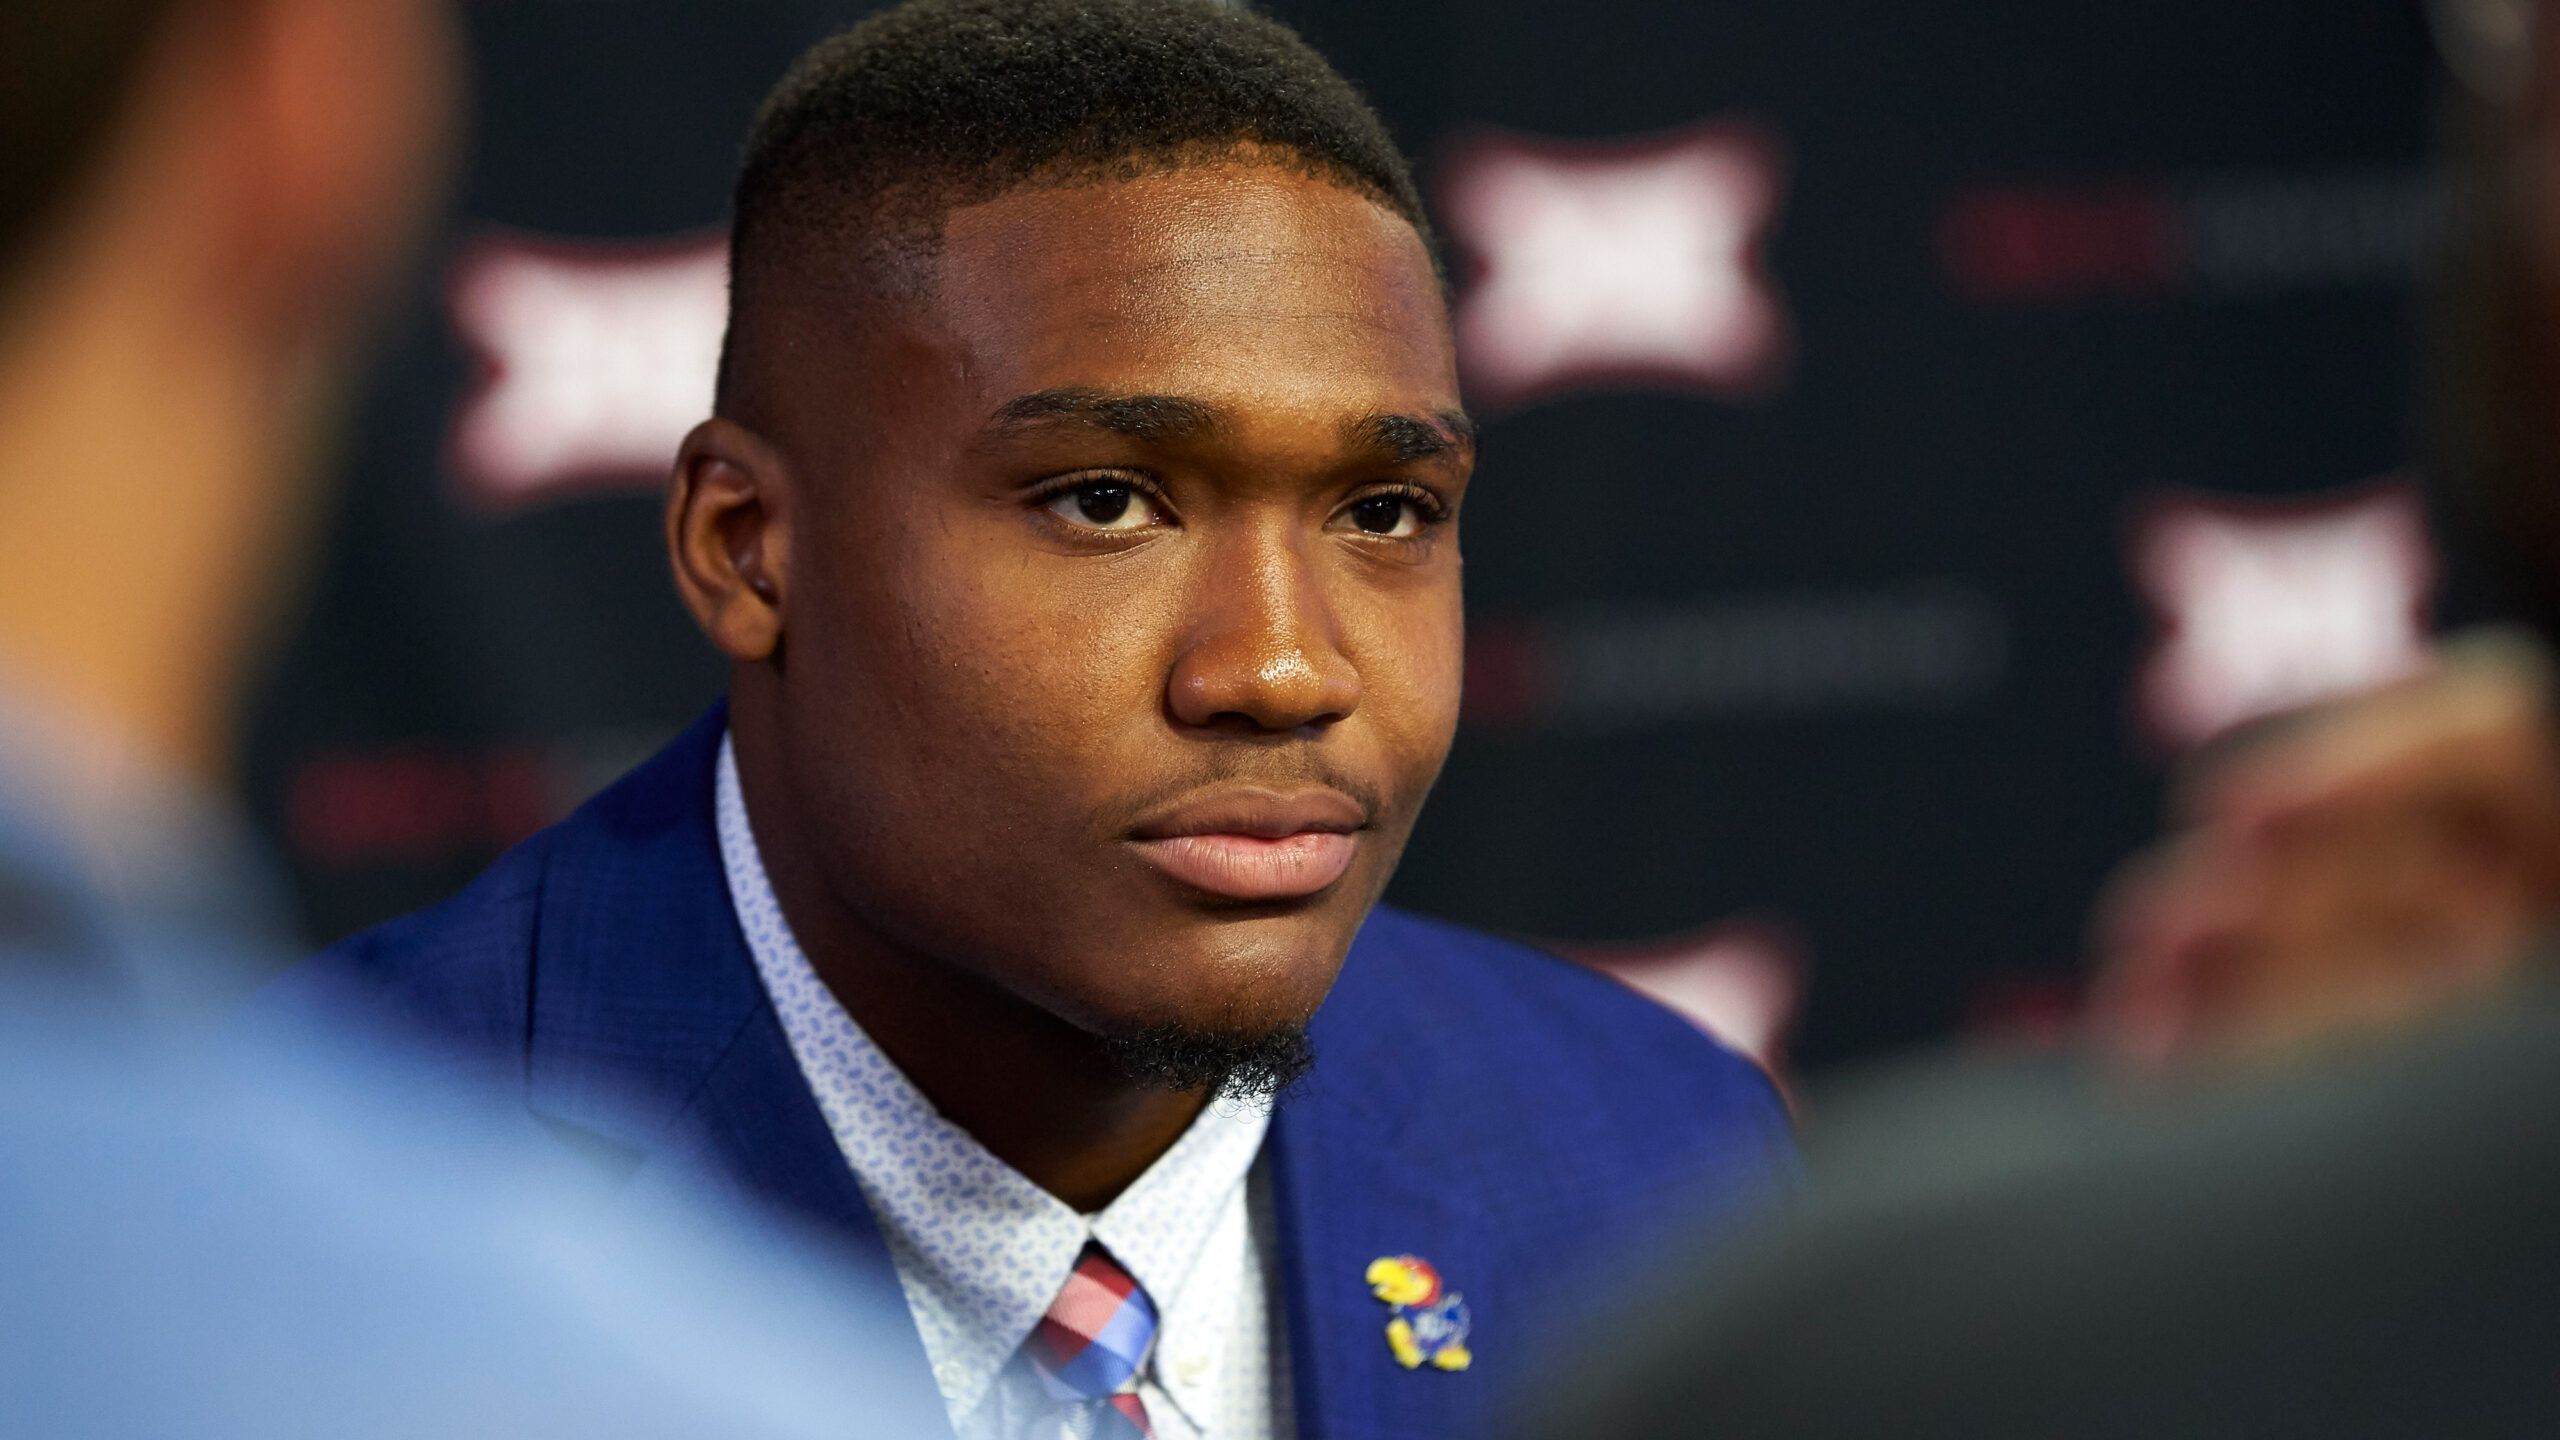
1191 1366
947 1375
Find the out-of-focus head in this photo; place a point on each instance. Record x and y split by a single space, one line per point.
299 138
202 200
1081 516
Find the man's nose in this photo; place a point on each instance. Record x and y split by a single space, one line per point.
1263 653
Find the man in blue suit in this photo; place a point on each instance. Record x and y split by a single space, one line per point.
1079 516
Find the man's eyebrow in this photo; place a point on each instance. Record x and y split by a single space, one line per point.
1406 439
1143 417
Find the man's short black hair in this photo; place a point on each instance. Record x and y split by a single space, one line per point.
935 104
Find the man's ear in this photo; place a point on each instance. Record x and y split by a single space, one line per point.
729 537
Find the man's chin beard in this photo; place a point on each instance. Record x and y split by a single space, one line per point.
1251 1066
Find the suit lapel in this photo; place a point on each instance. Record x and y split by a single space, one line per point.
649 1034
1356 1177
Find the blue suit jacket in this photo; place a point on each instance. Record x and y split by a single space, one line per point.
1512 1118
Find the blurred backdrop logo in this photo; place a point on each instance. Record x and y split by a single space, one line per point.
1625 263
1742 981
2267 605
594 360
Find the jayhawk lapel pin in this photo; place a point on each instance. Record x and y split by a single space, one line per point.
1425 1320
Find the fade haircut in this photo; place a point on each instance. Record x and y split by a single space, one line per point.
880 132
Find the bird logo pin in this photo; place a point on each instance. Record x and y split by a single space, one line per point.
1426 1321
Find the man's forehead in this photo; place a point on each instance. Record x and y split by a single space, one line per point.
1174 240
1403 436
1149 313
1268 192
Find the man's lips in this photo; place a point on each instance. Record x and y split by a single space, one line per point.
1254 844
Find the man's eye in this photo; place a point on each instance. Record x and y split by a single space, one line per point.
1394 517
1104 505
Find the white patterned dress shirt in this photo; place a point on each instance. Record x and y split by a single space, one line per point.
981 1251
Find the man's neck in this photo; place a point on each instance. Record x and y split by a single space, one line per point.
147 459
1042 1095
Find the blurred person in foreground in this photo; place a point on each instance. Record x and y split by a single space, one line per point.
2301 1179
201 199
1080 519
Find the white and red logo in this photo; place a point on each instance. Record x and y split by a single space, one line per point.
1628 264
594 362
2264 606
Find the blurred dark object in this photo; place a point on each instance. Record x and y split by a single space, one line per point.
1992 1249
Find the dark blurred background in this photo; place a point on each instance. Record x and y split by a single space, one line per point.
1982 360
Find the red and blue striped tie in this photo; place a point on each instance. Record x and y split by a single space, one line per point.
1091 1343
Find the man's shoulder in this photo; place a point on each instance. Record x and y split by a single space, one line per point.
458 970
462 969
1483 1003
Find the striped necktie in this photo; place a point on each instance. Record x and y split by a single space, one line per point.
1089 1346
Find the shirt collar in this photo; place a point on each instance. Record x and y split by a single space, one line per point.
980 1249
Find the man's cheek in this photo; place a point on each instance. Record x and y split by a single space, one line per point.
1020 731
1418 706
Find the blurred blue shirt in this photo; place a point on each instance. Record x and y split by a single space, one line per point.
286 1234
